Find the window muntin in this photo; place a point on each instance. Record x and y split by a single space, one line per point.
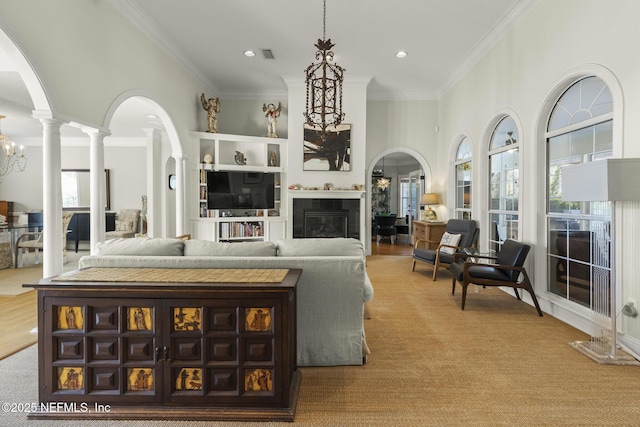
463 180
586 99
504 178
578 233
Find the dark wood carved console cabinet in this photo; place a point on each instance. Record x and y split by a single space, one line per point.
167 350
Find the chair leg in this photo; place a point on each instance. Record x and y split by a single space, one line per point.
413 267
527 285
453 286
517 294
435 272
464 294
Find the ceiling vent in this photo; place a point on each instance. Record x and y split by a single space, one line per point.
267 54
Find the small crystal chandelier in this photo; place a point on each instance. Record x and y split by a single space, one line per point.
324 86
383 183
12 159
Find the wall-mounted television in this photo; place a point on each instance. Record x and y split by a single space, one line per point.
240 190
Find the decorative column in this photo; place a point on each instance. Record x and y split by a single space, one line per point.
52 195
98 198
155 182
180 194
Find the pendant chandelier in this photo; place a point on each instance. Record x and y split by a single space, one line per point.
11 158
383 183
324 86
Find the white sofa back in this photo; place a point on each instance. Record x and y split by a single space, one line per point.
331 291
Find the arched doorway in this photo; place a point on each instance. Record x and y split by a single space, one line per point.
137 113
408 175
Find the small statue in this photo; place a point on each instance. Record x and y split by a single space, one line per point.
271 113
240 159
273 158
212 106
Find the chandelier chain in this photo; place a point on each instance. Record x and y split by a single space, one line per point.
324 21
324 86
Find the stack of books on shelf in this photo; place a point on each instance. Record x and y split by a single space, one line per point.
230 230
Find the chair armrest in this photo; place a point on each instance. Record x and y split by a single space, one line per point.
484 256
29 234
425 241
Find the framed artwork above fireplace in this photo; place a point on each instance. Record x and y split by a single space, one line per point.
332 154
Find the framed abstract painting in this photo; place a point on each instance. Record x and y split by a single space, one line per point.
332 154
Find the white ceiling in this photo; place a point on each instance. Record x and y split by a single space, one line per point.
443 39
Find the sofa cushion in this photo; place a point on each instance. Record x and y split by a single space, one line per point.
247 249
124 225
320 247
141 247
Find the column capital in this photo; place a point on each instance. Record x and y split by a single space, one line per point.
95 133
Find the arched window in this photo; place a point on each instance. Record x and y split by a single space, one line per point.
463 180
578 253
504 178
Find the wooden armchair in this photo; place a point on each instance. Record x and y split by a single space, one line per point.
440 257
507 271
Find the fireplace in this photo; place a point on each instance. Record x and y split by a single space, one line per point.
326 217
322 223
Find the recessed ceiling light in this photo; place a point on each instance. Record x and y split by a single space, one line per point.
401 54
249 53
151 116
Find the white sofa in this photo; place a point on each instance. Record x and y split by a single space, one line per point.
331 291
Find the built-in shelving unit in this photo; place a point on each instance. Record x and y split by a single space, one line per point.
224 152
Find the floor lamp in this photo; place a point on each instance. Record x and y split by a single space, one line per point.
604 180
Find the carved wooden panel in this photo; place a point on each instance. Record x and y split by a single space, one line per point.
160 348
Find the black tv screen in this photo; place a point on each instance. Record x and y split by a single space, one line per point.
240 190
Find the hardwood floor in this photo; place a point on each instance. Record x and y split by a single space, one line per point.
19 316
402 246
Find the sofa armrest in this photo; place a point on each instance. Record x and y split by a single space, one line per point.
368 288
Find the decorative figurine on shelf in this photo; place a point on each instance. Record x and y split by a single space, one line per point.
271 113
240 159
212 105
273 158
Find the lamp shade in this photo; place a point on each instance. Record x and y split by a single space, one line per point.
602 180
429 199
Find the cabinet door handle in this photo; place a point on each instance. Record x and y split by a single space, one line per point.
157 354
165 351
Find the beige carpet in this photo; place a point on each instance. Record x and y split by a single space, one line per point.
495 364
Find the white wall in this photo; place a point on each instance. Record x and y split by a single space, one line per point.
127 168
245 117
354 106
409 124
554 41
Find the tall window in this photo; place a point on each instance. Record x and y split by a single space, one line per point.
504 176
405 197
463 180
578 249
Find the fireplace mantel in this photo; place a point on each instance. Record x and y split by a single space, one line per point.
326 194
